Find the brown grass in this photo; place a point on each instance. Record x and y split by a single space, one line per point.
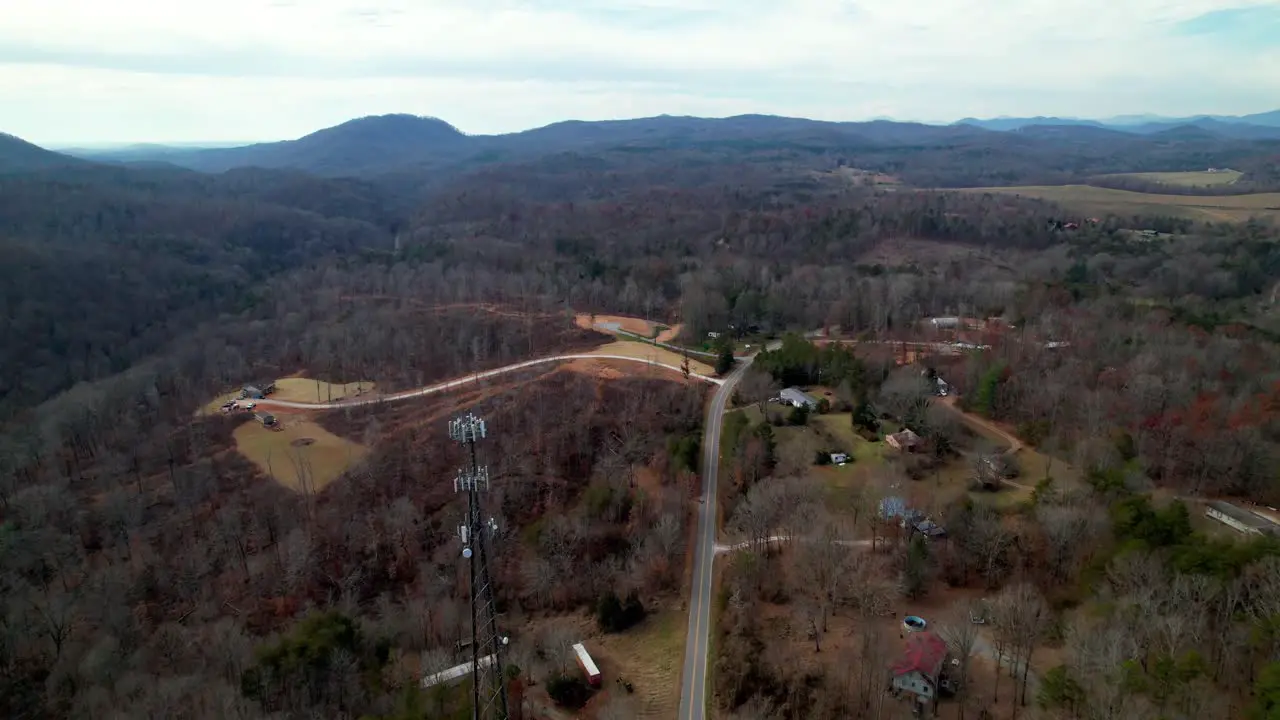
1185 179
1226 208
645 351
650 657
670 334
298 389
285 455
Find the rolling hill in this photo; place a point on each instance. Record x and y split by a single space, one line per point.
18 156
362 146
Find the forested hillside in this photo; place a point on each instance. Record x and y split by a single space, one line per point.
425 149
152 568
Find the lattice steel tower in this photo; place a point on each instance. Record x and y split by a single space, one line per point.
489 687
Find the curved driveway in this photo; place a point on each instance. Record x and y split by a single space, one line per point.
462 382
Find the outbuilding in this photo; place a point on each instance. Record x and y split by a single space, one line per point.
795 397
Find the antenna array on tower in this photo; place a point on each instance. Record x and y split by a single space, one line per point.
489 688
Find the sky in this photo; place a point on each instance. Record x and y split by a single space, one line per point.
94 72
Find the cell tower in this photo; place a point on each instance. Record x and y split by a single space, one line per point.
489 687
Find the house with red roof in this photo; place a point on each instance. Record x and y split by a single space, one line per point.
919 670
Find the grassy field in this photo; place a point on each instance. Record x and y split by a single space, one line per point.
1226 208
1185 179
301 456
296 389
649 656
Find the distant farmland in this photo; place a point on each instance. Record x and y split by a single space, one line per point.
1184 179
1105 201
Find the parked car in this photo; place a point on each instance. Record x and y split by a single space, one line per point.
249 405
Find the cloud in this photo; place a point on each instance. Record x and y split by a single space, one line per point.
490 65
1255 28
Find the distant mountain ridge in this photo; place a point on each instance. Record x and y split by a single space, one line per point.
418 152
1256 126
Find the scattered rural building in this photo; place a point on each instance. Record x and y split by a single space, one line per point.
991 469
795 397
940 387
906 440
266 418
587 664
945 323
1240 519
454 673
896 507
930 529
839 458
919 671
257 391
910 519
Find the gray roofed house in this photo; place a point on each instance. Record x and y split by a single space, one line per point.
257 391
1241 519
795 397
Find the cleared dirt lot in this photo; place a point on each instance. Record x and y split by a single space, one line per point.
301 456
643 328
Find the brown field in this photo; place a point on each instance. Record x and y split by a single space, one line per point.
298 389
643 328
301 456
670 334
1227 208
644 351
1185 179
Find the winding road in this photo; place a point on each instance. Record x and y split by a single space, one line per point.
693 685
462 382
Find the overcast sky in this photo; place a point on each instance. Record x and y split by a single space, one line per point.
93 71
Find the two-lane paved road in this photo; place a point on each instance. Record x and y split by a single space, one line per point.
693 693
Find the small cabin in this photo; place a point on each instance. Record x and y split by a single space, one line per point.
266 418
587 664
257 391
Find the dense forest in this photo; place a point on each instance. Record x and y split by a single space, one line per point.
153 571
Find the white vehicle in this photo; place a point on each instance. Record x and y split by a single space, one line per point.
249 405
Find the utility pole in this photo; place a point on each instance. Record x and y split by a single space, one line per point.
488 681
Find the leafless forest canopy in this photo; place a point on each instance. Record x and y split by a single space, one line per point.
151 570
